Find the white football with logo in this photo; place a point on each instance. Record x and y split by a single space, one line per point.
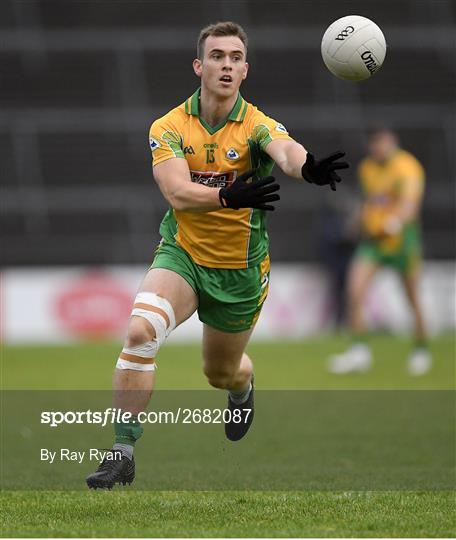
353 48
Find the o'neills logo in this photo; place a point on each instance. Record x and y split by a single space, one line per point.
369 62
94 305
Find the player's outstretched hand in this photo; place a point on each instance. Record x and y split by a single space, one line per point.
256 194
323 171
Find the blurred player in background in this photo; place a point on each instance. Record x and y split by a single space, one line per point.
392 182
212 157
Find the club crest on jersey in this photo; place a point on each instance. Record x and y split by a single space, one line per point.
281 128
154 144
232 154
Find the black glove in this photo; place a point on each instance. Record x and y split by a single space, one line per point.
322 172
252 195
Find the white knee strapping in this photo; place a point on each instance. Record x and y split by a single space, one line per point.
159 313
140 358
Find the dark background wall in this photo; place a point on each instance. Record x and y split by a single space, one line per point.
81 82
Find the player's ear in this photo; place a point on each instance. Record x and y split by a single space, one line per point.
197 67
246 70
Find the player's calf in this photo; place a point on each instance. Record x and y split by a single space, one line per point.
237 378
228 375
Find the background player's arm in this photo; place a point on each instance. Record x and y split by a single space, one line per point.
410 196
406 210
289 156
173 179
411 189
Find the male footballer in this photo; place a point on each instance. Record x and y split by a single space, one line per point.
212 159
392 181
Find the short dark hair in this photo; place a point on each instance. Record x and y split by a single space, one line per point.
225 28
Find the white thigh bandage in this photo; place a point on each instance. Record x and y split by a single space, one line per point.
159 313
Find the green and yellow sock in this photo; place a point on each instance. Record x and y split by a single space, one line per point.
128 432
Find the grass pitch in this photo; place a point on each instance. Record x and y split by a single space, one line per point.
229 514
288 365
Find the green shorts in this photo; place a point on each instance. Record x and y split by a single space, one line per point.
228 300
405 259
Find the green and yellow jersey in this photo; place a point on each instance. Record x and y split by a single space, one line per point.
385 186
224 238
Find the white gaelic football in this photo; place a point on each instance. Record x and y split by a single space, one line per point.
353 48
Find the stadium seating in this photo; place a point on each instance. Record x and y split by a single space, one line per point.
81 83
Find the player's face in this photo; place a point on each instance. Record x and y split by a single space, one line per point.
382 145
223 67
